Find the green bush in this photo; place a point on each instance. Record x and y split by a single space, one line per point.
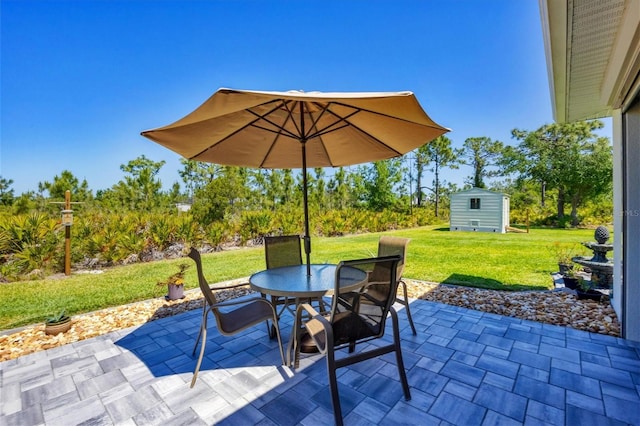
35 241
187 230
29 242
215 234
290 220
161 231
255 224
332 223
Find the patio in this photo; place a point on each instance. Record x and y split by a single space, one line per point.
464 367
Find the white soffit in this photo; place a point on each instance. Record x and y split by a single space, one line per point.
580 39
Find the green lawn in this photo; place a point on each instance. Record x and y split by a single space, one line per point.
514 261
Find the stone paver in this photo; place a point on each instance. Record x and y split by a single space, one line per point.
464 367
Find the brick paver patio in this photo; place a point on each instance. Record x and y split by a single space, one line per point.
464 367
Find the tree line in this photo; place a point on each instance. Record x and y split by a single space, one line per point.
567 163
545 171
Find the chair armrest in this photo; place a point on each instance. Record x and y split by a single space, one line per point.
307 307
227 286
233 302
318 326
371 283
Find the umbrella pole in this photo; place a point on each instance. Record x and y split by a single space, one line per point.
305 197
307 239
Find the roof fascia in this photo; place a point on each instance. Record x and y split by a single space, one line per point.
553 15
624 62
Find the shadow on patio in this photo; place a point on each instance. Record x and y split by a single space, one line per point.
464 367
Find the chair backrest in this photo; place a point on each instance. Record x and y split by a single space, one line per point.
391 246
204 285
366 316
282 251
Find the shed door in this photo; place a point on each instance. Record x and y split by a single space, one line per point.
505 212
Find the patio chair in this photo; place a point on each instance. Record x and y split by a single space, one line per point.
391 246
362 322
247 313
282 251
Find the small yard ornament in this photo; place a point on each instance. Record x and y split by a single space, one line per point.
57 324
175 283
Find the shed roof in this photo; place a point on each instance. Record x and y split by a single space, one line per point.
480 190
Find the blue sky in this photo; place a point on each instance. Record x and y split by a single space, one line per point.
81 79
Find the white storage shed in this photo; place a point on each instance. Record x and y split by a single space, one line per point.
479 209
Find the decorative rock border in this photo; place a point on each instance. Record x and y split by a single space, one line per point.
552 307
558 307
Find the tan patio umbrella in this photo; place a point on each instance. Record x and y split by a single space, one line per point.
288 130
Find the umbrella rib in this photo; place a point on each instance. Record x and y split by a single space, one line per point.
290 107
280 132
347 123
313 130
398 153
252 124
314 122
376 113
332 127
358 110
281 129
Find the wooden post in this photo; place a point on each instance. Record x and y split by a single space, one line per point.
67 236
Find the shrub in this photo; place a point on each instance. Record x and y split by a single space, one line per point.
187 230
289 221
332 223
563 252
255 225
36 240
161 232
215 233
30 242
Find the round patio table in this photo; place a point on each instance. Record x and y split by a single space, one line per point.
293 282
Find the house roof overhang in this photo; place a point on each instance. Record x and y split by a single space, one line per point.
593 55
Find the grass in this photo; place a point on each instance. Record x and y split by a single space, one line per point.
511 261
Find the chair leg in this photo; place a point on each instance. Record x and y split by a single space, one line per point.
204 342
295 340
321 304
270 329
202 321
405 302
276 330
398 351
275 300
333 386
